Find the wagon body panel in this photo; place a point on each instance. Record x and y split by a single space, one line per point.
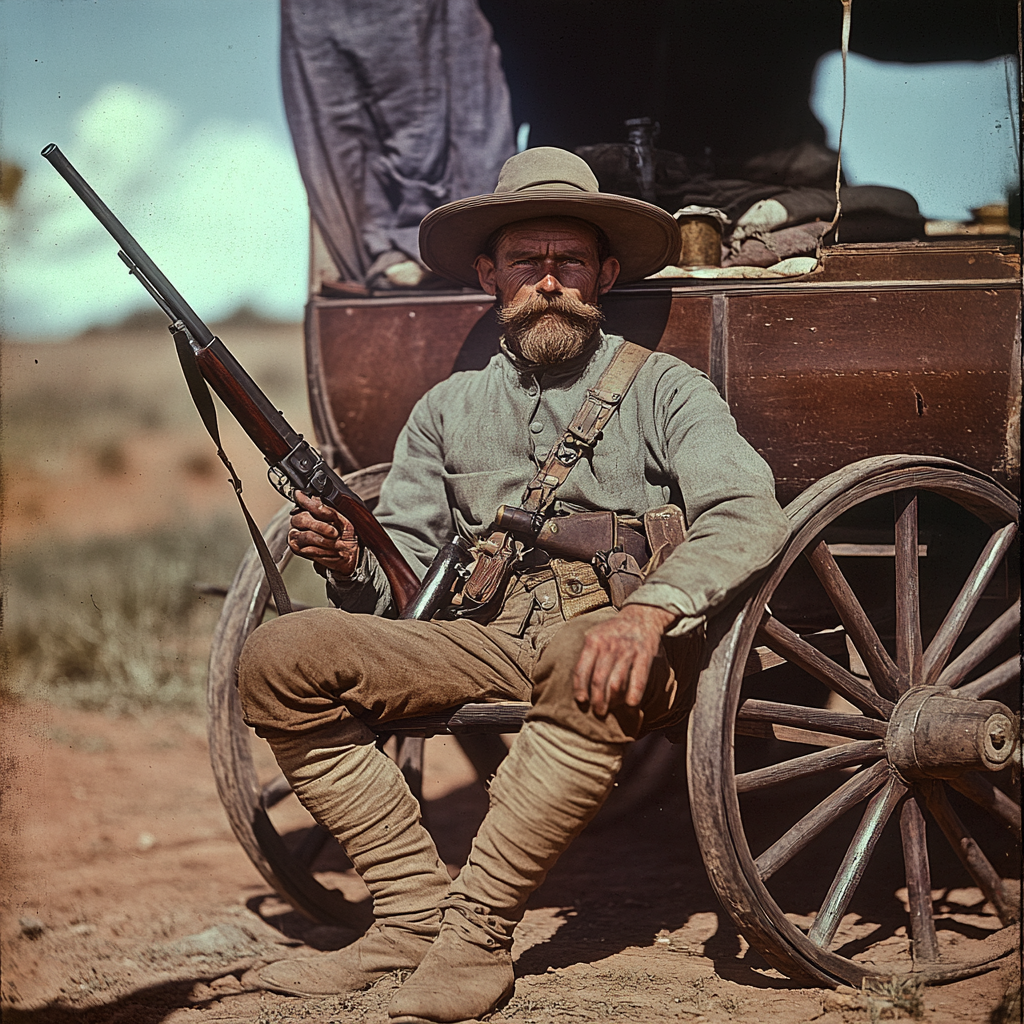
912 348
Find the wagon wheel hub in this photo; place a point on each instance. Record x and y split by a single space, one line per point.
934 734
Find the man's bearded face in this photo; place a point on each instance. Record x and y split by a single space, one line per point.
548 275
549 330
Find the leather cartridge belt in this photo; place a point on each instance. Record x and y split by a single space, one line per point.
580 536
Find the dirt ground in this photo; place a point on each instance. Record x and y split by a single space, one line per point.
127 899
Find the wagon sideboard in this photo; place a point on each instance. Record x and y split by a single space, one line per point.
886 348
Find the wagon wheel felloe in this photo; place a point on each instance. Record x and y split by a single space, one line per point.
848 751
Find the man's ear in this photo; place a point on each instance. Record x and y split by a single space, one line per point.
484 267
608 276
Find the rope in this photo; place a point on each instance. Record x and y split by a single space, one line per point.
847 6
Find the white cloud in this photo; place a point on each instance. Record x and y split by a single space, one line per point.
943 132
220 208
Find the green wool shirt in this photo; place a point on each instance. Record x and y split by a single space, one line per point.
475 440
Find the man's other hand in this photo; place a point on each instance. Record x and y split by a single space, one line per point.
324 536
617 657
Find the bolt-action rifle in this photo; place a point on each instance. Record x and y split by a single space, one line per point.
294 463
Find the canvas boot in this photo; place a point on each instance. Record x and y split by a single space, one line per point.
543 795
359 794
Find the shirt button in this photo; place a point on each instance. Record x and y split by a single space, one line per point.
547 602
532 390
536 427
574 586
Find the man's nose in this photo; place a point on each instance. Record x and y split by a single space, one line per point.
549 284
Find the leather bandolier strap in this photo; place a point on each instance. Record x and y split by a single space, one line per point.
500 552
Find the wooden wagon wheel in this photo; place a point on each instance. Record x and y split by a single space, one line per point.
898 715
287 865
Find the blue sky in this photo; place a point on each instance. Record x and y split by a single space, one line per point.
172 110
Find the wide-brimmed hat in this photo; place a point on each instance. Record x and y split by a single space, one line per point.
547 182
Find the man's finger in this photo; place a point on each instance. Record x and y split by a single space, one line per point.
638 676
316 508
582 673
307 523
616 675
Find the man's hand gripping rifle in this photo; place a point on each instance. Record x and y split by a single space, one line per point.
294 463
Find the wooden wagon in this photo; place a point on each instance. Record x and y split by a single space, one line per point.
864 690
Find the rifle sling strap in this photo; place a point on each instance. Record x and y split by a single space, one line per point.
200 393
585 429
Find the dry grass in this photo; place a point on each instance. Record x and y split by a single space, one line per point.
892 998
115 507
115 623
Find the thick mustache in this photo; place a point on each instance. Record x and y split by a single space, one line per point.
524 313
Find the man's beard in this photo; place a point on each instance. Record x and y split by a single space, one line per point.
549 331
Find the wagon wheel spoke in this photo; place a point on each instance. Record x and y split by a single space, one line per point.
829 759
970 853
815 821
791 646
908 596
919 881
275 791
858 626
985 794
956 618
828 724
1002 674
859 852
308 848
981 647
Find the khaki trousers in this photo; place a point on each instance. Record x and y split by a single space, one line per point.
310 669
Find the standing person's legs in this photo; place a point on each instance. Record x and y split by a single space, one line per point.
305 681
557 775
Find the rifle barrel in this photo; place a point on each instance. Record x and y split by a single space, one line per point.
181 309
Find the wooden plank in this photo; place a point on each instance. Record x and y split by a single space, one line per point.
816 381
500 716
870 550
789 734
376 361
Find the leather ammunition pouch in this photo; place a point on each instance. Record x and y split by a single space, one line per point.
598 559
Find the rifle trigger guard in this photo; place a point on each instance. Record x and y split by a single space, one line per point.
281 483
